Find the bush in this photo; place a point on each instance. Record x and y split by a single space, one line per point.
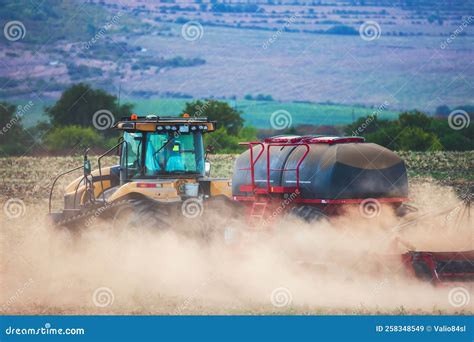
69 137
416 139
413 131
342 30
223 142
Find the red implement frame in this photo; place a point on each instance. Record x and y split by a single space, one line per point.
285 189
252 188
441 266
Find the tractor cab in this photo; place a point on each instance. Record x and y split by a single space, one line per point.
163 147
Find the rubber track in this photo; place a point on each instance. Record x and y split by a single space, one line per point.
91 213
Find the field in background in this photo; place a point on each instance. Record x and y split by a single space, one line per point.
409 66
407 72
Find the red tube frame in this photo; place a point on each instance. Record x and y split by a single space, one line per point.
252 162
297 169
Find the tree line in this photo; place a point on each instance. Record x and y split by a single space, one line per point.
70 126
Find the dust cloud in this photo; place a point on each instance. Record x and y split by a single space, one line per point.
350 265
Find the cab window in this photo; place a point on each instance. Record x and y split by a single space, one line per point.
170 152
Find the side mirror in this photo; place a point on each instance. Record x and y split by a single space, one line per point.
87 167
210 149
87 164
207 168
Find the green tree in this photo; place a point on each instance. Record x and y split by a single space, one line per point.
452 140
225 115
416 139
364 125
222 141
247 134
14 140
387 135
415 119
413 131
78 104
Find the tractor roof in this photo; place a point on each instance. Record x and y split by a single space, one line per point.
153 123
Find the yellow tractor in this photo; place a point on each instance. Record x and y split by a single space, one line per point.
163 174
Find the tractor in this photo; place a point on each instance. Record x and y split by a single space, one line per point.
164 177
163 174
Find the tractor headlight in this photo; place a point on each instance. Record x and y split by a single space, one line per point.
184 129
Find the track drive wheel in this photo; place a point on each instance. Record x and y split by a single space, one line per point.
308 214
137 213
